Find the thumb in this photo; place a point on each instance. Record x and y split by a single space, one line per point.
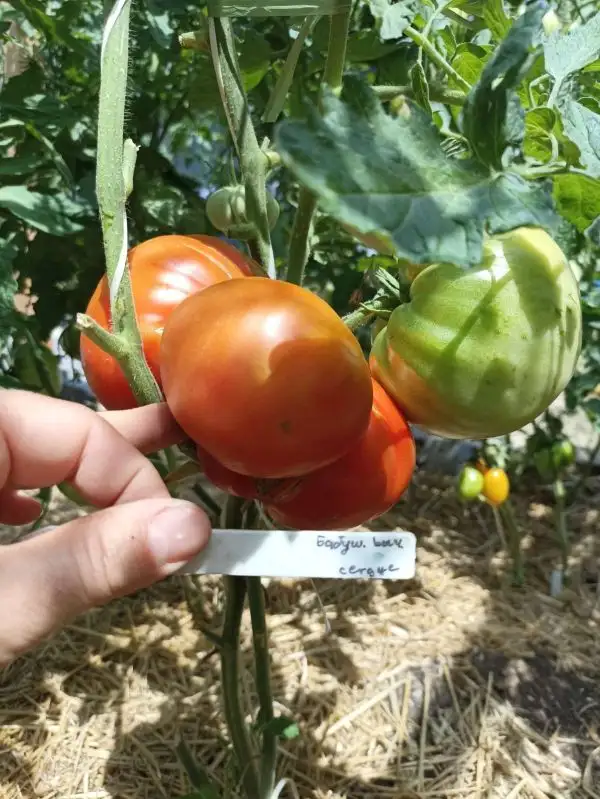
47 580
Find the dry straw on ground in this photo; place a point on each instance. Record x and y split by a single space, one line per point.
452 685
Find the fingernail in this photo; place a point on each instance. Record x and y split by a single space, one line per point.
176 534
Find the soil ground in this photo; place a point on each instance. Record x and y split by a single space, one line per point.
454 684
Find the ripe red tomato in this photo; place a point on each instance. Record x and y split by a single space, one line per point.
242 485
164 271
362 484
265 377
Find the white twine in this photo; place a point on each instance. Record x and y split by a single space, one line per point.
117 277
281 785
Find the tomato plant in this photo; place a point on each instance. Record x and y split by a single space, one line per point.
481 352
164 271
460 146
364 483
265 377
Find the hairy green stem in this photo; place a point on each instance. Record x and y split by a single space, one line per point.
235 592
438 59
253 161
514 541
279 93
262 662
114 174
299 247
440 9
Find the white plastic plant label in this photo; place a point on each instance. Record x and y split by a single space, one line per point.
307 553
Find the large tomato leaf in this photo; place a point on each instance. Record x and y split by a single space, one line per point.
52 213
577 198
539 125
567 53
392 18
390 178
493 119
582 126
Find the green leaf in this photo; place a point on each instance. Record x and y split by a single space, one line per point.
420 87
570 52
8 285
538 133
52 213
389 179
364 46
159 25
198 776
283 727
582 126
593 232
368 262
392 19
577 198
469 61
493 119
35 366
496 19
255 59
59 161
21 164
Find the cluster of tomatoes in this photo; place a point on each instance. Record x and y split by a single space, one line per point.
266 379
482 482
274 389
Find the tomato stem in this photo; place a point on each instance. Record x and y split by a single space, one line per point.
300 246
424 43
129 354
514 541
262 663
235 593
284 81
253 161
114 180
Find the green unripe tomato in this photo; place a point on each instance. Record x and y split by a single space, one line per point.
481 352
563 454
226 209
543 461
470 483
377 327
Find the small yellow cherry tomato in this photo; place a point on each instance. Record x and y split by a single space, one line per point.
496 486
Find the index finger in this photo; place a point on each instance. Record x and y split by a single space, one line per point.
148 428
45 441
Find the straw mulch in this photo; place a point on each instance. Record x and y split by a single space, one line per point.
451 685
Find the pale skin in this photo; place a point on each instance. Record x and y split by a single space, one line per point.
140 536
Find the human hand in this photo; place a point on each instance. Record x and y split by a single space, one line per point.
142 535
